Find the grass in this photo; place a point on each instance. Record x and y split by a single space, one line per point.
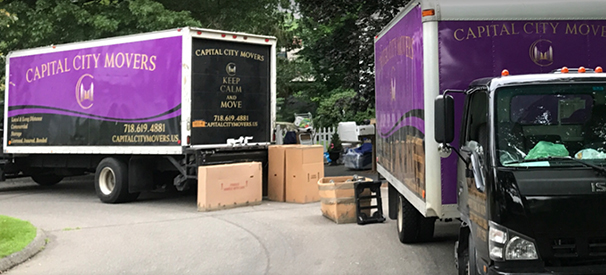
15 235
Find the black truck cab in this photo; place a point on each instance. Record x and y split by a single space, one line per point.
531 173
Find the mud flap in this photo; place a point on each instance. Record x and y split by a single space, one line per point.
140 175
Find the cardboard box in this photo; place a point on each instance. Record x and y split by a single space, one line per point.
294 171
229 185
276 159
338 201
304 167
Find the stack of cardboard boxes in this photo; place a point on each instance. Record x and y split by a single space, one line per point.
293 174
294 171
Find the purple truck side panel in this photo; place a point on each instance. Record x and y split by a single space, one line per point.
399 73
474 49
130 81
400 101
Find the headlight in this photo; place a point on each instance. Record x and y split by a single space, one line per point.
505 244
497 239
520 249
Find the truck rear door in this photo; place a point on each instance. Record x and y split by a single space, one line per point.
230 92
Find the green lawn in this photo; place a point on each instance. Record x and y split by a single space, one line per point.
15 235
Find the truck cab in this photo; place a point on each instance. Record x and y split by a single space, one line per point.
531 178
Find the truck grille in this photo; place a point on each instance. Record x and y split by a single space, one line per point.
564 248
577 252
597 247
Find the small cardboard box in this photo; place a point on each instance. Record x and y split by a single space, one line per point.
338 201
276 159
229 185
304 167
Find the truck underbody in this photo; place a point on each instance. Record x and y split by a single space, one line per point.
132 173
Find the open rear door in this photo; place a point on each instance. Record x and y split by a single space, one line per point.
230 92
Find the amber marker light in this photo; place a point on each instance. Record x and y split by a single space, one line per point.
430 12
599 69
564 70
505 72
582 69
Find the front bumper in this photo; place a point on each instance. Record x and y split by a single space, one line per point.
569 270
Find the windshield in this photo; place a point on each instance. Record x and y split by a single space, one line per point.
543 125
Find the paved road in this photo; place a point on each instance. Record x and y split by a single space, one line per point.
162 233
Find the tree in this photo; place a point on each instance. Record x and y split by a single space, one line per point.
6 19
265 17
297 92
338 38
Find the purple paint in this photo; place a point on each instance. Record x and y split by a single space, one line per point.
59 112
399 73
142 80
474 49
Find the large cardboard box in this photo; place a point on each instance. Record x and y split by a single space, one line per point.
229 185
304 167
276 159
338 201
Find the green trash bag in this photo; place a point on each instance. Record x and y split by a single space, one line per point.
545 149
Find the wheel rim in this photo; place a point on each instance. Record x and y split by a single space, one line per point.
400 214
107 181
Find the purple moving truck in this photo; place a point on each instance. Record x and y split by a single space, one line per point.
490 113
140 110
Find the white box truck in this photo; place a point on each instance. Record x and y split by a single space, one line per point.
140 110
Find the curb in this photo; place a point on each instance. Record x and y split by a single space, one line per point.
29 251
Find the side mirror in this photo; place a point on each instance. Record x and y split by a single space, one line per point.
444 118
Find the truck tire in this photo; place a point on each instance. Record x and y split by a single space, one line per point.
392 199
463 262
111 181
407 221
46 179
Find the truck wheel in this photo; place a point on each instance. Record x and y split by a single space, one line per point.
463 262
407 221
111 181
46 179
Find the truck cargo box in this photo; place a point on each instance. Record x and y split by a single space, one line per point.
152 93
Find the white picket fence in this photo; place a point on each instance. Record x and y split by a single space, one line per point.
323 136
